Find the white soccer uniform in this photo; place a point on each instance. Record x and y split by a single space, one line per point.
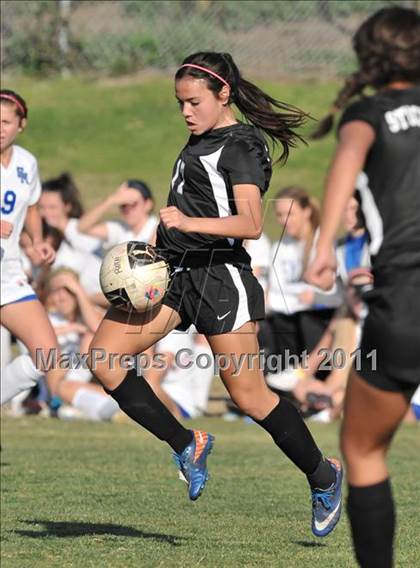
70 345
286 282
20 188
185 382
85 264
119 233
259 251
80 241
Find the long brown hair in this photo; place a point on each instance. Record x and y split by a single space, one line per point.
304 200
276 119
387 46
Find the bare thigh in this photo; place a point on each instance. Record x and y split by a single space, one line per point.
29 322
242 376
121 333
371 417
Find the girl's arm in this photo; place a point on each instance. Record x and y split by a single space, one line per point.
33 227
246 224
355 140
89 222
91 316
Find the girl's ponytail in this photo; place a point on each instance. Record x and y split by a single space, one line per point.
387 46
278 120
354 85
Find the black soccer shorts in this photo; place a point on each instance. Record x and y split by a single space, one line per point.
390 345
216 299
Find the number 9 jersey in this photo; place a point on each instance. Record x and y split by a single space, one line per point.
20 188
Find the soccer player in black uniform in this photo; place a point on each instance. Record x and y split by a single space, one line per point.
379 136
214 203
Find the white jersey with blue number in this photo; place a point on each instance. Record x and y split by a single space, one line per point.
20 188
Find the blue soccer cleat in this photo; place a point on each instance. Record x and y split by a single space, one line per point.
326 504
192 462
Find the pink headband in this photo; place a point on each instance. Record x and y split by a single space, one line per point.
209 71
17 103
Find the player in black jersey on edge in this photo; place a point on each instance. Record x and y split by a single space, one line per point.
379 136
214 203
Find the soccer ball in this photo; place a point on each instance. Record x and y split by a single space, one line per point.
134 277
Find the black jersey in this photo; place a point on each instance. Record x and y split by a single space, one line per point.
390 181
202 186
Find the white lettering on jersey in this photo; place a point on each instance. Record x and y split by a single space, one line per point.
403 118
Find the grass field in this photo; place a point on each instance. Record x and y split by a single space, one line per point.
107 495
107 131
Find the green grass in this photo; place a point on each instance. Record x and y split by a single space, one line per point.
106 495
107 131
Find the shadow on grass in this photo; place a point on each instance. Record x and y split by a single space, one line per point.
63 529
309 543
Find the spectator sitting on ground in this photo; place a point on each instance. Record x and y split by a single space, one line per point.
297 313
61 207
342 337
135 202
259 251
85 265
75 319
182 384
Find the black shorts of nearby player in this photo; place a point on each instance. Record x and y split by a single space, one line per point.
390 345
216 299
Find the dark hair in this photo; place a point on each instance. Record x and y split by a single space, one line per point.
10 97
387 46
360 216
65 185
256 106
141 187
53 233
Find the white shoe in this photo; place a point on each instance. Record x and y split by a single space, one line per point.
67 412
284 380
324 416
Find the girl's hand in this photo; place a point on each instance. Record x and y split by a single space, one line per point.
125 195
172 218
45 252
67 280
321 272
307 297
6 229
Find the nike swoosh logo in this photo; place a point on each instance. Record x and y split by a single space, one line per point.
323 524
224 316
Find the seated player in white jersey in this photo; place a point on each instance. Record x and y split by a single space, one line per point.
61 207
20 308
75 319
259 251
135 202
297 313
184 373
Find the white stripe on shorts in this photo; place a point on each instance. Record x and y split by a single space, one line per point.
242 314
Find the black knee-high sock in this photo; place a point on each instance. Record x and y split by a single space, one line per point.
372 518
292 436
137 399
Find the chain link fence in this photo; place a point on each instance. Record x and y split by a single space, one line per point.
268 38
